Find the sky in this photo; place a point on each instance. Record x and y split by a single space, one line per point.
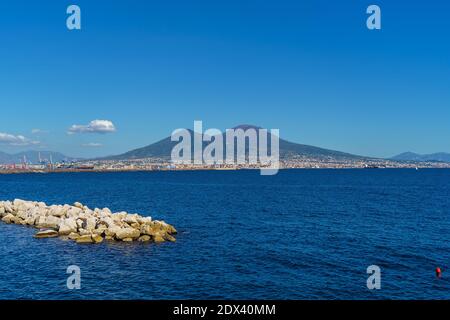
137 70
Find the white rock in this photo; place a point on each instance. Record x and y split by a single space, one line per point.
57 211
91 222
8 206
22 215
30 221
8 218
109 222
18 202
145 220
73 212
131 218
71 222
42 205
78 205
86 238
53 222
80 223
112 231
128 233
46 234
41 221
68 226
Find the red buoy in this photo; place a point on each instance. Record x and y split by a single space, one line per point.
438 272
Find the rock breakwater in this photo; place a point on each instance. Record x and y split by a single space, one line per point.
79 223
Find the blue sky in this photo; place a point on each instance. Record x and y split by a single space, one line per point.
310 68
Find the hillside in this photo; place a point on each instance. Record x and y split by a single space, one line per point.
411 156
163 148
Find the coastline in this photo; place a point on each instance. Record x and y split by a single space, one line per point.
25 171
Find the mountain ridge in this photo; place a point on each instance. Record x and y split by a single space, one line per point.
163 148
32 156
412 156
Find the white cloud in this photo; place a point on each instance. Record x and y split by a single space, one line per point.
92 145
16 140
95 126
38 131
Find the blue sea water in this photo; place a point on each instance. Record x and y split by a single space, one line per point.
301 234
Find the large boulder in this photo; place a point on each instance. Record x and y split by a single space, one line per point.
96 238
91 222
100 230
158 238
41 222
57 211
170 238
166 227
46 234
8 206
144 220
68 226
41 205
131 218
36 211
30 220
8 218
53 222
144 238
112 231
80 223
73 212
18 203
48 222
107 221
22 214
73 236
84 239
84 232
127 233
149 230
71 222
78 205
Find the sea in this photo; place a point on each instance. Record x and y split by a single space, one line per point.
301 234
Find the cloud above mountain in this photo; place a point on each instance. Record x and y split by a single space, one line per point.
16 140
95 126
92 145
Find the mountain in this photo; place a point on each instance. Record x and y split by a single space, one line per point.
33 157
4 157
163 148
411 156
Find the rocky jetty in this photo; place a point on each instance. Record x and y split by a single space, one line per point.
83 225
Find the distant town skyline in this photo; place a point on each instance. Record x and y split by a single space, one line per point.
138 70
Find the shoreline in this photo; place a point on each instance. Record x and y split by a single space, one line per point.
25 171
